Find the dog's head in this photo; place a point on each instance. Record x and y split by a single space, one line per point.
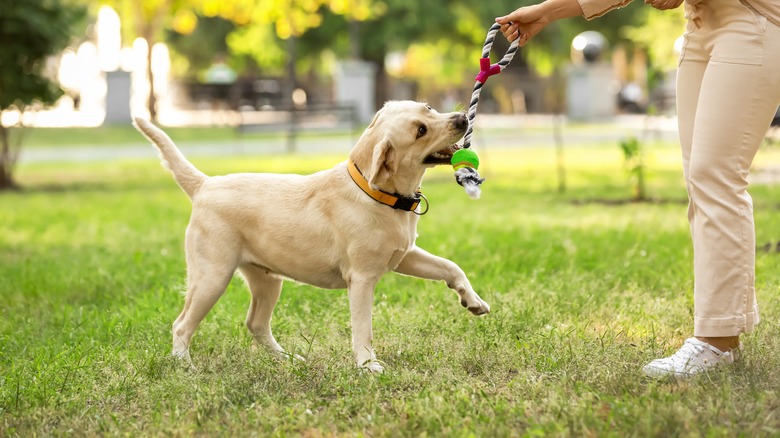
402 141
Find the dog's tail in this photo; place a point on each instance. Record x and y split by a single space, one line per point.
187 176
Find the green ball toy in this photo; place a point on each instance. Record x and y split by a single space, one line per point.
464 158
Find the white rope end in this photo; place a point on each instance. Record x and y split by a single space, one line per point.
472 189
470 180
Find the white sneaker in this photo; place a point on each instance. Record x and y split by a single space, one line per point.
692 358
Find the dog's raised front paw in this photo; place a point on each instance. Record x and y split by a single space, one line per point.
477 307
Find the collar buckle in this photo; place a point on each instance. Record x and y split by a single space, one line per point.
396 201
408 204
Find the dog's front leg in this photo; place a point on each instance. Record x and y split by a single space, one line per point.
420 263
361 300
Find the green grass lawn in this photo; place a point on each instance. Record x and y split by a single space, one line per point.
111 135
121 135
584 290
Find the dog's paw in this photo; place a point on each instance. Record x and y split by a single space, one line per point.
371 366
293 357
277 352
476 307
183 359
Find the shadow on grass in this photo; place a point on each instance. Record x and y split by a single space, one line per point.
618 202
769 247
86 187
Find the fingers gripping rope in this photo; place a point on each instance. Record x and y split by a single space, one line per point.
465 161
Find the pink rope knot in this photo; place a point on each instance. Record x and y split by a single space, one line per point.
487 70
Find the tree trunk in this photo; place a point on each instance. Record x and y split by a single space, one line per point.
381 85
148 27
288 87
152 102
354 38
7 160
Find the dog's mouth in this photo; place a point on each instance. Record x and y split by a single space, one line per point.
443 156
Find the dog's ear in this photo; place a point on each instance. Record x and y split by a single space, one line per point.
384 163
376 116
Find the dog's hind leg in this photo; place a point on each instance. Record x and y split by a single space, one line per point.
422 264
208 274
265 290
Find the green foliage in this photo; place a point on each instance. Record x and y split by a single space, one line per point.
259 43
31 31
440 38
551 48
657 35
195 51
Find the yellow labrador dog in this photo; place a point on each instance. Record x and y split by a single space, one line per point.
339 228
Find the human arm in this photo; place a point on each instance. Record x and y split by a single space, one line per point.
528 21
664 4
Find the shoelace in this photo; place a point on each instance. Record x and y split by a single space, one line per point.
686 353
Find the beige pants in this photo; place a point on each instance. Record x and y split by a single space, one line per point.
728 88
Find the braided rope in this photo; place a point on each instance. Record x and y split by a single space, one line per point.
468 177
484 74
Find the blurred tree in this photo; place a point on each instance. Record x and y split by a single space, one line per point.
196 26
31 32
552 46
196 49
440 39
148 19
410 22
282 32
657 36
363 29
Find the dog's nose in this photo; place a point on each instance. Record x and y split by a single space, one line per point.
460 121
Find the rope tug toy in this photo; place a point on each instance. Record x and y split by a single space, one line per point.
465 161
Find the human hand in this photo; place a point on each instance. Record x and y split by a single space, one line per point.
664 4
524 23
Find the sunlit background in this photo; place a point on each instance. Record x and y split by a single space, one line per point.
212 60
82 72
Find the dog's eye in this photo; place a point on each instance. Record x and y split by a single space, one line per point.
422 130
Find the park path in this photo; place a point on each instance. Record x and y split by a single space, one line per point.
491 132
